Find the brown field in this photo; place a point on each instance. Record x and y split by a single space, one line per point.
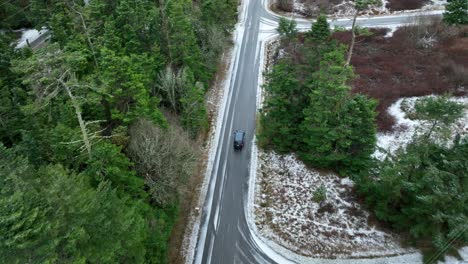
405 65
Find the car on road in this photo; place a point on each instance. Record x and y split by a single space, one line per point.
239 136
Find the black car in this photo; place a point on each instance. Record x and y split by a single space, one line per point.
239 136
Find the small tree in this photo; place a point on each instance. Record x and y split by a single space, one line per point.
287 28
320 30
456 12
438 112
320 194
423 190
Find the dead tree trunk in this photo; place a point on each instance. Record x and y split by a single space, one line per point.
82 124
353 38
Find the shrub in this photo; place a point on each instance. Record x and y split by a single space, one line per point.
285 5
320 194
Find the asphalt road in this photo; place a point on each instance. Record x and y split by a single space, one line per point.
224 235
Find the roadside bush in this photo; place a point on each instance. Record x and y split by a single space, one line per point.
285 5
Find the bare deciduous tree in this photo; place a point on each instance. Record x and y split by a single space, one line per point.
360 5
165 157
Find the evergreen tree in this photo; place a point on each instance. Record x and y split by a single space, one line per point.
182 44
52 215
109 164
24 223
338 130
439 112
284 102
320 30
193 116
423 190
456 12
287 28
126 80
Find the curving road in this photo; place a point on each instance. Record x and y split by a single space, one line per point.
224 235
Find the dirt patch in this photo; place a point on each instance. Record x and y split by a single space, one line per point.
416 61
399 5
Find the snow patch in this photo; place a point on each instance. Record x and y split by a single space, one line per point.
405 128
337 227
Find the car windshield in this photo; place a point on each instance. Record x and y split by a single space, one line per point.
238 136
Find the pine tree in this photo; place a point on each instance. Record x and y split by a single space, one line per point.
282 109
52 215
193 115
287 28
338 130
320 30
109 164
126 80
456 12
439 112
182 43
423 190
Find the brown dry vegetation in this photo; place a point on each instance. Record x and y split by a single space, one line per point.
313 8
399 5
405 65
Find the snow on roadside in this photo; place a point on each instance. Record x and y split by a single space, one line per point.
405 128
335 228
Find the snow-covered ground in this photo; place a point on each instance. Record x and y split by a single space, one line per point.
286 214
337 227
405 128
285 219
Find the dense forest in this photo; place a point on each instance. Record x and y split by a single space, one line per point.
99 126
311 109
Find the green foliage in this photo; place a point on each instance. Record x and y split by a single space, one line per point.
14 14
52 215
108 164
309 109
183 49
456 12
320 30
11 94
439 112
282 108
287 28
423 190
338 130
96 77
126 80
364 4
193 116
320 194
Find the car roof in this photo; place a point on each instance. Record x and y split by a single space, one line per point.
239 135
